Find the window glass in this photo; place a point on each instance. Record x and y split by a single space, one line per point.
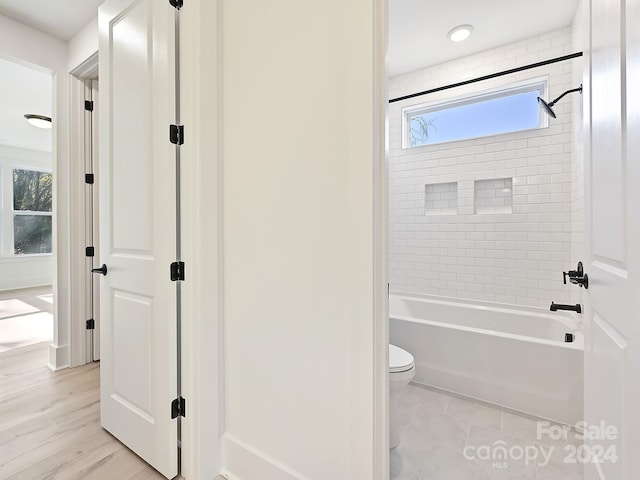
32 190
32 200
31 234
495 114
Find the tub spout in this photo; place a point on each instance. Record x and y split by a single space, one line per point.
559 306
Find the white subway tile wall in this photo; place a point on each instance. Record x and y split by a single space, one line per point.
493 196
515 257
441 199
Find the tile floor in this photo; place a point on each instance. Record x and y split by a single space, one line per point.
448 437
26 317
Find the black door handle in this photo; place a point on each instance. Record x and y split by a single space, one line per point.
102 270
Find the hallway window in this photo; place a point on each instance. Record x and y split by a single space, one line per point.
32 201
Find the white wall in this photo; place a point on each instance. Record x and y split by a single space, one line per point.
83 46
515 258
21 43
299 170
21 271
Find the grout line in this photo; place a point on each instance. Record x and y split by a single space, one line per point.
466 442
428 457
446 407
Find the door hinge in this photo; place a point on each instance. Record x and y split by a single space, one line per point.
90 251
176 134
177 271
178 408
88 105
177 4
91 324
89 178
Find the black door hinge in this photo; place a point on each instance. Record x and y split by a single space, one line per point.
89 178
177 4
178 408
88 105
90 251
91 324
177 271
176 134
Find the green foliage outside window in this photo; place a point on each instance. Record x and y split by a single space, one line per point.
32 192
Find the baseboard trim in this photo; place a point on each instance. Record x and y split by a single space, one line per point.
58 357
243 462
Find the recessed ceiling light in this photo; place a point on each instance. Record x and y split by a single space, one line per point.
460 33
39 121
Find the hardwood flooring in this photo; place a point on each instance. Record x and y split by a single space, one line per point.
50 424
26 317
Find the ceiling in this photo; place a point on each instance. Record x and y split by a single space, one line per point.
418 28
417 39
60 18
24 90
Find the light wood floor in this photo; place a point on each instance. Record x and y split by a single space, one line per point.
26 317
50 424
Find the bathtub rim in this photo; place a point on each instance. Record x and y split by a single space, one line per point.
573 325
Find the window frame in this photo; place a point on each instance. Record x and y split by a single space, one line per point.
513 88
7 212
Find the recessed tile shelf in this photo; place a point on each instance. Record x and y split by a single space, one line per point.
441 199
494 196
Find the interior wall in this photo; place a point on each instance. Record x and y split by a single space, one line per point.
299 168
83 46
21 43
27 270
517 257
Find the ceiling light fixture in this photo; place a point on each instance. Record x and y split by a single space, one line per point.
460 33
39 121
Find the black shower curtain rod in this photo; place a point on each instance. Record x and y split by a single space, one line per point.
487 77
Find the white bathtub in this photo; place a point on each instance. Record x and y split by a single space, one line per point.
512 356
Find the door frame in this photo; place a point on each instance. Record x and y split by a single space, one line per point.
203 375
86 70
380 246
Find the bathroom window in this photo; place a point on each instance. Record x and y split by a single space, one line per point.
32 199
494 112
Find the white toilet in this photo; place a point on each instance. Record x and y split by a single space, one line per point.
401 371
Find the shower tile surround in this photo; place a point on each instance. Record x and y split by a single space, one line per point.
480 251
441 199
439 427
493 196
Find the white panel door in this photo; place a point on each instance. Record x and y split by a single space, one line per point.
612 193
138 228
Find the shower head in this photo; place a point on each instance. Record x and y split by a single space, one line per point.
547 107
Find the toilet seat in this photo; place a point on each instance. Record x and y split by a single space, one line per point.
399 360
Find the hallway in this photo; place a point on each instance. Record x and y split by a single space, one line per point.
50 423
